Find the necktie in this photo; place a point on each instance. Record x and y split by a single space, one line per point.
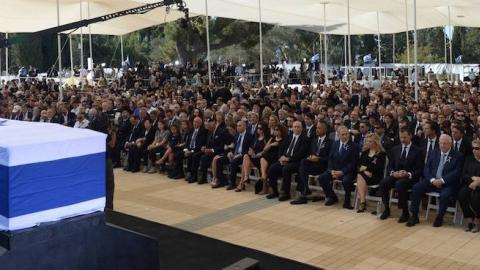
404 153
440 166
319 144
292 146
431 146
341 148
238 145
194 138
456 146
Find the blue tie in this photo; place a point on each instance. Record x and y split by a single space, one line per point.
237 148
440 166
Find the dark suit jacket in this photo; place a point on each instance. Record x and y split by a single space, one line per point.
310 133
71 118
354 101
345 161
413 164
300 150
137 132
200 141
216 140
465 147
251 130
451 170
423 144
321 151
247 142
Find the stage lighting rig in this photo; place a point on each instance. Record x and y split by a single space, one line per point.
180 6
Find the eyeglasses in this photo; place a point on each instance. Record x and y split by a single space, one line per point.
476 148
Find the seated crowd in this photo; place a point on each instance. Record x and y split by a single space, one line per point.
370 141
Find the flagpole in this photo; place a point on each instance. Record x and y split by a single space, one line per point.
450 45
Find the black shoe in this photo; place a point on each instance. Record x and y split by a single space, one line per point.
385 214
218 186
404 217
272 196
469 227
135 170
347 205
178 177
201 182
412 221
127 169
284 197
438 222
299 200
231 187
331 201
192 181
316 198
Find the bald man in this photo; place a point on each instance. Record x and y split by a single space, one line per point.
442 174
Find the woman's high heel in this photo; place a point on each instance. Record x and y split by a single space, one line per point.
362 207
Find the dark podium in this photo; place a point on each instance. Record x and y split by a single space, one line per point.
83 243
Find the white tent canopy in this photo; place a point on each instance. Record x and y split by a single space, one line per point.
26 16
308 14
22 16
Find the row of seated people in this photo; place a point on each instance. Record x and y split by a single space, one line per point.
413 167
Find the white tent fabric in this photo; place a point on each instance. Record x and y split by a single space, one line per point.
308 14
33 15
26 16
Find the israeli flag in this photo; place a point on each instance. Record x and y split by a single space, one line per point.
49 172
458 60
315 58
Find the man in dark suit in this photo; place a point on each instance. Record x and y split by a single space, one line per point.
138 131
67 118
362 133
387 142
342 164
429 143
292 151
242 141
99 121
442 174
252 124
460 142
316 163
404 169
215 145
309 125
192 152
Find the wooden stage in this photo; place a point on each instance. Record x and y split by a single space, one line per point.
327 237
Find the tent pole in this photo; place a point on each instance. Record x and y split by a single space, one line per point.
207 29
81 35
345 53
408 41
325 41
445 47
59 41
415 48
121 50
349 49
393 51
6 57
379 49
450 27
90 35
71 54
261 40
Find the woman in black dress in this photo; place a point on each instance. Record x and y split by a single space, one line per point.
270 154
469 194
371 168
252 158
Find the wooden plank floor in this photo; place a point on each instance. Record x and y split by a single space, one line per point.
327 237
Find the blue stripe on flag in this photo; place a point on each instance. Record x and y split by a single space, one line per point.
41 186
